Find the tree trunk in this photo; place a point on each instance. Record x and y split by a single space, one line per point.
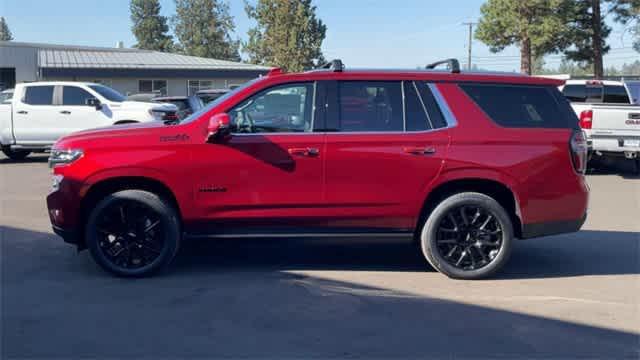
525 56
598 67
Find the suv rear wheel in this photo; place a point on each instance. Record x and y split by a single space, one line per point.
133 233
467 236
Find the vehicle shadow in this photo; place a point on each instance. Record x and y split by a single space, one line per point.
585 253
33 158
627 169
58 304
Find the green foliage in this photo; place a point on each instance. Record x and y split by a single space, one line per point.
583 33
538 27
627 12
287 35
5 33
149 27
204 28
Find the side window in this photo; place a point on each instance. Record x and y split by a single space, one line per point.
38 95
431 105
616 94
417 118
284 108
75 96
370 106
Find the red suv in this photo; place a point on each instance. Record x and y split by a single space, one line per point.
464 163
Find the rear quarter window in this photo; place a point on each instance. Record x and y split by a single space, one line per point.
523 106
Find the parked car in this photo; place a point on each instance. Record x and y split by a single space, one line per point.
40 113
6 96
210 95
608 116
186 105
463 163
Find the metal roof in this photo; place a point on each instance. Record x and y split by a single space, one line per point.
62 56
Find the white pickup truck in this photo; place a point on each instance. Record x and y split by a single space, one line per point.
40 113
608 117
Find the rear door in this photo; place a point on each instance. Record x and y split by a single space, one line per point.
34 117
74 114
386 142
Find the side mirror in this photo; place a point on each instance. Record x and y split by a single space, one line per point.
219 128
95 103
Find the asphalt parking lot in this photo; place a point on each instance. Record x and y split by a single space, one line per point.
569 296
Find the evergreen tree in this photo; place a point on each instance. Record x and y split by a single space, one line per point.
204 28
149 27
288 34
5 33
538 27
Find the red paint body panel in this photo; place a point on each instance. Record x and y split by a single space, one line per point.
357 179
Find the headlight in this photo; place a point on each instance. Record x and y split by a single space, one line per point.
63 157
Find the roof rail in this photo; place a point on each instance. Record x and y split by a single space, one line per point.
454 65
336 65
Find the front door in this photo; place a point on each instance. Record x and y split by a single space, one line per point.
74 114
387 142
269 176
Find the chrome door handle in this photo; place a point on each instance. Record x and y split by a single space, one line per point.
419 150
308 151
22 112
65 112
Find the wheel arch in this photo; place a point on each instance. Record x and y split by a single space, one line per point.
497 190
100 189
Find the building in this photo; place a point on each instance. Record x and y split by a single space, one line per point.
126 70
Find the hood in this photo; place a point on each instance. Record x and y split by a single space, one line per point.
119 131
140 105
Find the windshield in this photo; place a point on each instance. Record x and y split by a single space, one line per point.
218 101
108 93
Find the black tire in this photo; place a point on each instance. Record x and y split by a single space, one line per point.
15 155
134 206
472 239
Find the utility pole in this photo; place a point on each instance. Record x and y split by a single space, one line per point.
470 25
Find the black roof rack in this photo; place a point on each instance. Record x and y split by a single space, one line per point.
336 65
454 65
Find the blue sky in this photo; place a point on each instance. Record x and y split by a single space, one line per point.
363 33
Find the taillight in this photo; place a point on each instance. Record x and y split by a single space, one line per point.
579 151
586 119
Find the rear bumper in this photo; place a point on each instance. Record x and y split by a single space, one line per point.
530 231
613 144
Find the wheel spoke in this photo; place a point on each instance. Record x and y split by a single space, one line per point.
453 221
486 222
462 256
447 241
465 220
452 251
151 226
476 216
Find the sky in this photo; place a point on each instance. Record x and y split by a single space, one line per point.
363 33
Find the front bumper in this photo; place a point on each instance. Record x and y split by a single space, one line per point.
530 231
69 236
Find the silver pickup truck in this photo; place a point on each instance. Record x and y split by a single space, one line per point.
608 116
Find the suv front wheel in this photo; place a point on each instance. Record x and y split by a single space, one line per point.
467 236
133 233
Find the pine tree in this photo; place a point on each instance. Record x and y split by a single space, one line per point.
288 34
5 33
149 27
204 28
538 27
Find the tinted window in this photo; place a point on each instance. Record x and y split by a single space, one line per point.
38 95
575 93
416 116
108 93
616 94
433 109
370 106
72 95
286 108
522 106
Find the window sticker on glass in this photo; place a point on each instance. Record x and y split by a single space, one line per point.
533 113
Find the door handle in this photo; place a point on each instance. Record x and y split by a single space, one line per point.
22 112
308 151
65 112
419 150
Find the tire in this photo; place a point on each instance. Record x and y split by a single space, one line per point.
120 228
483 257
15 155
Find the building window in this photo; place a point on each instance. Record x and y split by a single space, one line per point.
193 86
153 86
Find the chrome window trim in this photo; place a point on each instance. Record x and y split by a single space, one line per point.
424 108
444 107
